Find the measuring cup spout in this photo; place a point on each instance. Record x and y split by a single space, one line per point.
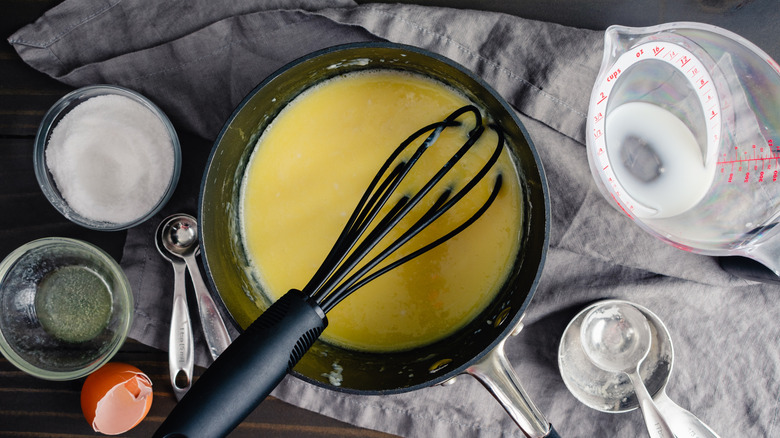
617 40
620 39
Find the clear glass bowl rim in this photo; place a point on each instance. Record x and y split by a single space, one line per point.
124 291
46 182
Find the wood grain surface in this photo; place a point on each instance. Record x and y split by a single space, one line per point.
31 407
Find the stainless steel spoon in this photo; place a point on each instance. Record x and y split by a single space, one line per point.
611 392
181 356
617 338
181 239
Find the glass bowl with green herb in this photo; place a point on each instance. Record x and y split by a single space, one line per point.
65 308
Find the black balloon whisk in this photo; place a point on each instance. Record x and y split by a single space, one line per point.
259 358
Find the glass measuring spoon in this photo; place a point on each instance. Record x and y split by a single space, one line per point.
682 134
611 392
617 338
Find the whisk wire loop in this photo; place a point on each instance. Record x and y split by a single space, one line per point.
440 206
356 225
328 286
336 296
370 204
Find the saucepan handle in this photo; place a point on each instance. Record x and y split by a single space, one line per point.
496 373
247 371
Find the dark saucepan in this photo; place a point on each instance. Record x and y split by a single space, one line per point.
226 263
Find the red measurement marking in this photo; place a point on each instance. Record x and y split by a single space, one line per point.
682 247
621 207
773 64
614 74
748 160
603 98
758 158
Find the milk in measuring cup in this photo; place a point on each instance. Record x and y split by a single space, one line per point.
682 129
656 158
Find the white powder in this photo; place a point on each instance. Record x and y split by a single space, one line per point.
111 158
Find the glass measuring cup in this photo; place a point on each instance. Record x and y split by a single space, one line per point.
683 136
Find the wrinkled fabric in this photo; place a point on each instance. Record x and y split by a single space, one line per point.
198 59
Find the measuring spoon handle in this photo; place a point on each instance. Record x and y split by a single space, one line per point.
214 330
680 420
181 355
655 422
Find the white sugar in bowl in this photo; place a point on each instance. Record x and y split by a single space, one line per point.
106 157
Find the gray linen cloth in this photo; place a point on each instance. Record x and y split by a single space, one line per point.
197 60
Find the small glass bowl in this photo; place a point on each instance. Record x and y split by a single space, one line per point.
31 277
45 179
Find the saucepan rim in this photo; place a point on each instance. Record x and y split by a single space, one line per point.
539 254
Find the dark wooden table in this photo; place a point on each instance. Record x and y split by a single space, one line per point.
30 407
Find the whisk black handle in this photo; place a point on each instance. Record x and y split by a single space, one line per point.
247 371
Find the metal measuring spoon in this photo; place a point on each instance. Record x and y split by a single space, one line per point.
180 352
612 392
617 338
181 239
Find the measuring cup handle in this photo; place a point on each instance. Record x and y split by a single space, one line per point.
496 373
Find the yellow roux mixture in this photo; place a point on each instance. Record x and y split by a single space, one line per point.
310 168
